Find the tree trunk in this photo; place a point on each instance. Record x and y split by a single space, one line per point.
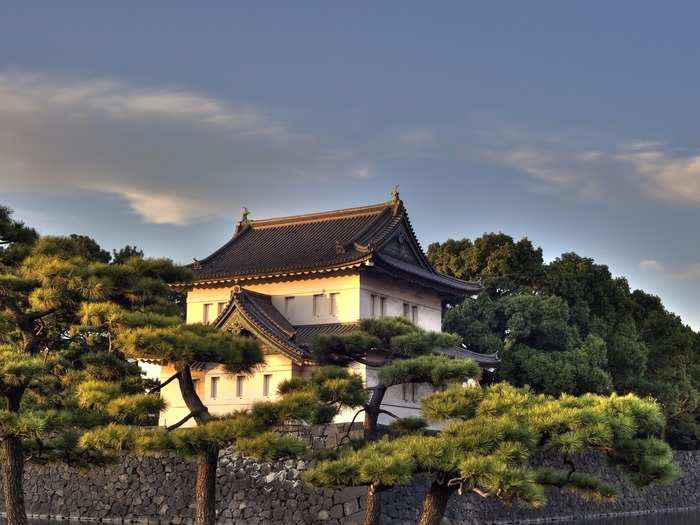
374 506
205 485
369 424
205 488
435 504
12 475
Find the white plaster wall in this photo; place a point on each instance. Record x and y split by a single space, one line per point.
303 290
397 293
278 366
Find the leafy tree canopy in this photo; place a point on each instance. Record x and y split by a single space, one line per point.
570 326
491 435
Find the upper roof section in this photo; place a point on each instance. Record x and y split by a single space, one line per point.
323 242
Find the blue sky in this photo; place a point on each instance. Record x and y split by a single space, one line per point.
573 123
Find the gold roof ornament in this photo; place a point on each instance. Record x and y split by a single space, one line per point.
244 215
395 194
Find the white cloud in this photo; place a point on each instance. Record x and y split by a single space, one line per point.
650 265
362 172
172 155
121 100
689 273
665 177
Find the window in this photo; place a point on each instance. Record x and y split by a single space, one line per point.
409 392
220 308
195 384
382 306
239 385
206 316
214 390
288 306
414 314
333 303
373 305
267 379
406 309
318 299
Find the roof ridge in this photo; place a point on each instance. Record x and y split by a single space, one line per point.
319 216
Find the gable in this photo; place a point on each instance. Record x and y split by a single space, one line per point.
402 245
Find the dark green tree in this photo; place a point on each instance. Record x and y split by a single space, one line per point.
402 353
502 265
50 360
536 340
491 434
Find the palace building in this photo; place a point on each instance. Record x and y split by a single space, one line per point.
286 280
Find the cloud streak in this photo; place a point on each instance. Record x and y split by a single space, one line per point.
665 177
173 155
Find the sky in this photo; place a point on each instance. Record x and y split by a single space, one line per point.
576 124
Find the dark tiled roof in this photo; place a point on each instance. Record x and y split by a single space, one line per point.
419 274
327 241
303 242
257 309
306 333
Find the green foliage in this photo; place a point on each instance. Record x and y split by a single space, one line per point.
490 436
452 403
315 400
270 446
184 344
63 301
542 319
408 425
501 264
436 370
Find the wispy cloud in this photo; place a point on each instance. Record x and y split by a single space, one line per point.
173 155
552 165
689 273
579 167
117 99
362 172
662 175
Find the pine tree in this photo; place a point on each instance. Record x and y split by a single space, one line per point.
402 352
52 364
490 436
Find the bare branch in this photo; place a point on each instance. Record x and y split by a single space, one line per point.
382 411
352 422
181 422
159 387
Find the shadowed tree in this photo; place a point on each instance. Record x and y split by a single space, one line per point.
490 436
50 360
502 265
401 353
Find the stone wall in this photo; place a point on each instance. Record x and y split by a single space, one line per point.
161 489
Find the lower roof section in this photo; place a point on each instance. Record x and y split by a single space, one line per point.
253 313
